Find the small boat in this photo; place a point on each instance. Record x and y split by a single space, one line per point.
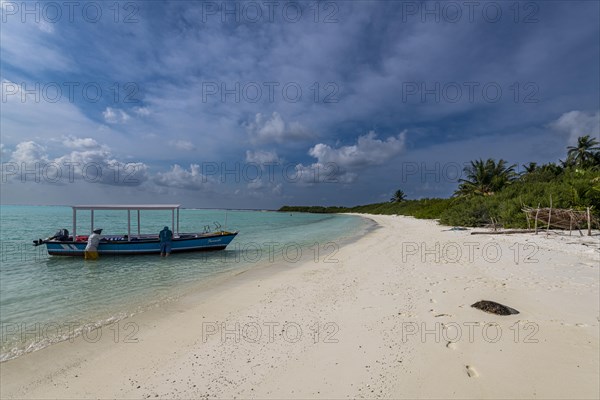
63 244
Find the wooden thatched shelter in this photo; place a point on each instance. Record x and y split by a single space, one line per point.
560 218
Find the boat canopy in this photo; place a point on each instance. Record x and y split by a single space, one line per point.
128 207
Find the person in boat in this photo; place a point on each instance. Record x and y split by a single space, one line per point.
166 237
91 250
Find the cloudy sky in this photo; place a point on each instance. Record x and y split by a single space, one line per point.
261 104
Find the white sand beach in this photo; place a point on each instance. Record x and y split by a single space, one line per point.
389 317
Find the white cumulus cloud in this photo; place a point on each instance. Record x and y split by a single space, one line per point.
578 123
340 165
80 143
261 157
366 152
94 164
29 152
115 116
275 129
182 178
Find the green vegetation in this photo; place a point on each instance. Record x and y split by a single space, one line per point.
585 155
424 208
486 178
493 190
571 188
399 197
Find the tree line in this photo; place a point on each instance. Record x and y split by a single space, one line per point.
494 190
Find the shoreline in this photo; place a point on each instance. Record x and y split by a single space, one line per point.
138 307
350 329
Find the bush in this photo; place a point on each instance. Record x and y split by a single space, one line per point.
569 188
572 189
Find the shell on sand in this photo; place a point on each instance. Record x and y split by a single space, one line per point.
494 308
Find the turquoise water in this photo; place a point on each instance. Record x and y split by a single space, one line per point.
45 299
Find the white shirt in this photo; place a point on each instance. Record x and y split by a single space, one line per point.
93 241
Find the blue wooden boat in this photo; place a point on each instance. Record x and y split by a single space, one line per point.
64 244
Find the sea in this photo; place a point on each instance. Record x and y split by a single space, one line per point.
47 299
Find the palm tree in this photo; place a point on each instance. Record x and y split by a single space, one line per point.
553 168
597 159
585 154
399 197
569 162
486 177
530 167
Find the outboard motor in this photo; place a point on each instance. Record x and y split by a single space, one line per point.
62 235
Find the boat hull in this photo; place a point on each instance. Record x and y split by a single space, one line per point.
139 247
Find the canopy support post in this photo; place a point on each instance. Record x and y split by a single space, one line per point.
173 219
128 225
177 221
92 217
138 215
74 224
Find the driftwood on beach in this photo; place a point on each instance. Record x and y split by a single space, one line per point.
507 232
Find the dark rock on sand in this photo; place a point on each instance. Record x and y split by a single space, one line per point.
494 308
